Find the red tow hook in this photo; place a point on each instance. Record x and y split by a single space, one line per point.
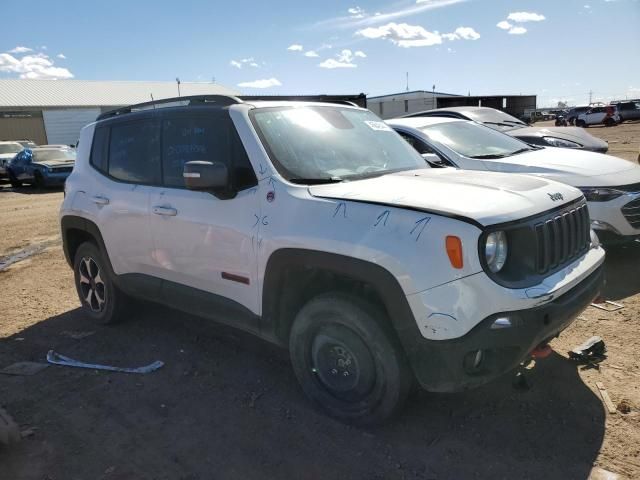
541 351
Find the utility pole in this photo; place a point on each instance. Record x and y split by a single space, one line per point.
178 82
590 97
407 89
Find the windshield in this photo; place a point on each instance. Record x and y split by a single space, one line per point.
308 144
495 119
53 154
27 144
475 141
10 148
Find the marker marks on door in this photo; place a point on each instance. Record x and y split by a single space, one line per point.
419 227
382 218
341 206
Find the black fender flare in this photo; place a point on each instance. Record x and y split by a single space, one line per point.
75 222
384 282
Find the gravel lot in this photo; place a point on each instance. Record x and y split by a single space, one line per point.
227 405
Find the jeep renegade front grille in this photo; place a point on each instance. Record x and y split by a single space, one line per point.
631 212
562 238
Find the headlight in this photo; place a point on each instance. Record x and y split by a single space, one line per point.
595 194
495 250
561 143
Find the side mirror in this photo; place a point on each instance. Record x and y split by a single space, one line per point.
212 176
433 159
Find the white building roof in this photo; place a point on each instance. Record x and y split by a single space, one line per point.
89 93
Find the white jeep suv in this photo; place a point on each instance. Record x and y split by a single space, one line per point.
317 227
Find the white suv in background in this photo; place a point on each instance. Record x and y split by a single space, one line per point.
316 227
610 184
599 116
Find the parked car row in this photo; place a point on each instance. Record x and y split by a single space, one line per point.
608 115
22 161
319 228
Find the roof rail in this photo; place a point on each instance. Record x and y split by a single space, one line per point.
222 100
359 100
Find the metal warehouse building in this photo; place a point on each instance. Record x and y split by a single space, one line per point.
54 111
403 103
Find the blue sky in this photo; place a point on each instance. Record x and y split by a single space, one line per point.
557 49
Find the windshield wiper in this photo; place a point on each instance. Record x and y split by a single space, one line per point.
316 181
489 156
522 150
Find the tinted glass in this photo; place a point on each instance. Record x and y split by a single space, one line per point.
134 152
473 140
318 143
100 149
493 117
10 147
186 139
58 154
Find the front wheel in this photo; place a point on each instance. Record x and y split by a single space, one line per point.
581 123
38 181
101 300
347 359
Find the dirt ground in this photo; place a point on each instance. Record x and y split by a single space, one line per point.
227 405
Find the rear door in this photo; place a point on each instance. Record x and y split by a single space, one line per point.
127 157
202 241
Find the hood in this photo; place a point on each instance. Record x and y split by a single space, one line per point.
575 167
486 197
57 163
573 134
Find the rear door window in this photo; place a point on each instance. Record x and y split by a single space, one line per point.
134 152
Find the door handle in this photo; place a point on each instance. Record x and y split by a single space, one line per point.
167 211
99 200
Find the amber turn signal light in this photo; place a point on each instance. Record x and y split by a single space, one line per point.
454 250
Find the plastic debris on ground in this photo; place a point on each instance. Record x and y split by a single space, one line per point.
57 359
590 353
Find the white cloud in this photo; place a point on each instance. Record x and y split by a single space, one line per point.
263 83
466 33
295 47
402 34
351 21
360 53
521 17
518 31
332 63
406 36
36 66
504 25
587 6
61 56
311 53
244 61
356 12
21 49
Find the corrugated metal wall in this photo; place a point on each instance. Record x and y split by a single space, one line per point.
63 126
25 128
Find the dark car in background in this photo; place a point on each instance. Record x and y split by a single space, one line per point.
41 166
562 137
628 111
573 113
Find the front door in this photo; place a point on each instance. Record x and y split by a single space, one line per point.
200 240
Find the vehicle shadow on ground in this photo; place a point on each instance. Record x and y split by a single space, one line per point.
622 266
228 403
29 189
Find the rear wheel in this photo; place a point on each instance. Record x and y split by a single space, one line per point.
346 361
101 300
609 122
581 123
15 183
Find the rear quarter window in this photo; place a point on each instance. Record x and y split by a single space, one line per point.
134 152
100 149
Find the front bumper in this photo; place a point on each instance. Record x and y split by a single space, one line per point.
454 365
55 178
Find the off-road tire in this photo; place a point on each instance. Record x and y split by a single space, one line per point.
91 272
15 183
336 333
